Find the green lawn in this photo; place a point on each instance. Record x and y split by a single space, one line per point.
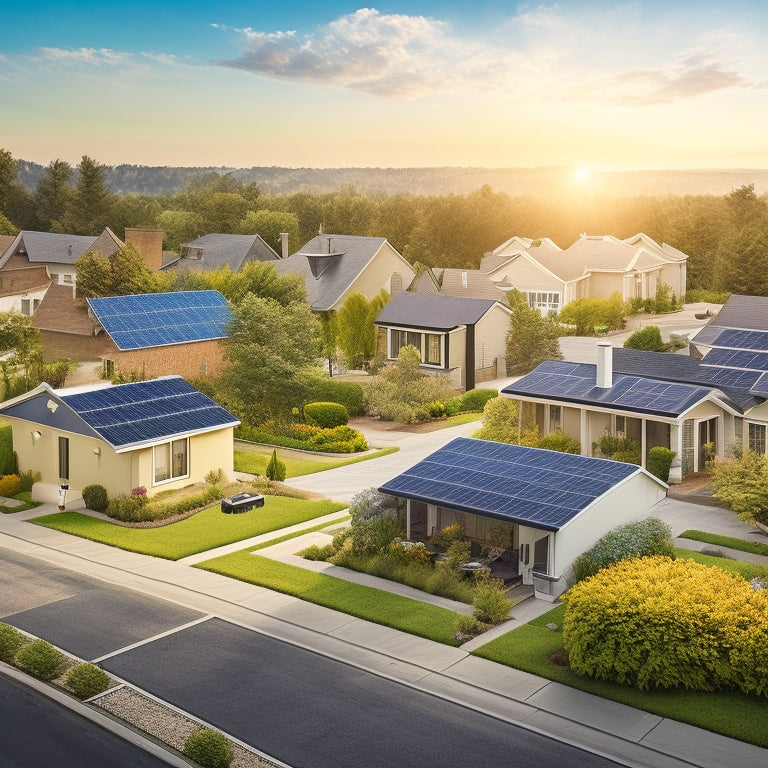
747 570
743 545
367 603
26 497
255 458
199 533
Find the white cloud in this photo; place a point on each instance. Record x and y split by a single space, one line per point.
390 55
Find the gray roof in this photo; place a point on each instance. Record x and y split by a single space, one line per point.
339 259
745 312
223 250
438 313
51 246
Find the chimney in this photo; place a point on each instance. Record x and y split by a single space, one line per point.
604 365
149 244
283 245
463 279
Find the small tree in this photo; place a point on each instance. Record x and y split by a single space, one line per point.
276 468
533 337
648 339
501 423
741 484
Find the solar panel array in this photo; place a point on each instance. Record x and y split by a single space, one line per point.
576 382
737 358
760 387
733 338
149 410
529 486
160 319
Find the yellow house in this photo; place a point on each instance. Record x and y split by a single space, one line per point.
159 434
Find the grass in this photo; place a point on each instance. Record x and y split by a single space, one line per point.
205 530
366 603
732 714
747 570
255 458
26 497
755 547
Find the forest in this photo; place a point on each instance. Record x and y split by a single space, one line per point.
725 236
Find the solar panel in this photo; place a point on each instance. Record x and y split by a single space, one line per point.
737 358
529 486
148 410
733 338
760 387
161 319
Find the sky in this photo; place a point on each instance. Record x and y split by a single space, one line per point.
590 85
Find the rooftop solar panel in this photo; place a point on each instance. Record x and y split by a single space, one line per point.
530 486
161 319
737 358
734 338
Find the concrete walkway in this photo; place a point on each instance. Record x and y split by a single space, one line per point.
627 735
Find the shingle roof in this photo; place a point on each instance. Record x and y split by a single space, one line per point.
58 312
576 383
470 283
220 250
528 486
744 312
161 319
439 313
343 258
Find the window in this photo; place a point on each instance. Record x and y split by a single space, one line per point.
757 438
67 278
395 284
547 302
171 460
108 368
621 426
399 339
555 418
35 304
433 349
63 458
25 307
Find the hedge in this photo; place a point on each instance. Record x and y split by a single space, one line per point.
474 400
347 393
659 623
326 415
305 437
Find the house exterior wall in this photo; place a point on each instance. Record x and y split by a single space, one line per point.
525 275
457 352
675 276
491 337
200 358
603 284
377 275
13 303
26 278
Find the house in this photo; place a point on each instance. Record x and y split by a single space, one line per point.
554 505
216 250
335 266
697 409
466 338
729 331
160 434
593 266
157 334
462 283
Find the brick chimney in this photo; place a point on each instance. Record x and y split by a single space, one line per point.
149 244
604 365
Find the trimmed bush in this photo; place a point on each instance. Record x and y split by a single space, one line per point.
11 640
474 400
642 538
209 749
559 441
128 509
326 415
648 339
138 508
275 468
40 659
305 437
95 498
491 605
318 553
10 485
660 623
659 461
8 461
86 680
347 393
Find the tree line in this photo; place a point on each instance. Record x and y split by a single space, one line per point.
726 237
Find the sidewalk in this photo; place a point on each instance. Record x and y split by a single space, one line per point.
622 733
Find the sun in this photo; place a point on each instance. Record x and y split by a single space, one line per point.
581 175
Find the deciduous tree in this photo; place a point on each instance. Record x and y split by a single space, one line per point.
533 337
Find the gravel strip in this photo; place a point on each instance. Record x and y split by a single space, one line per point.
166 724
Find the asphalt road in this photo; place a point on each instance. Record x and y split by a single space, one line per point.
39 732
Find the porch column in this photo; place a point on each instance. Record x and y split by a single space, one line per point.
586 443
408 520
676 445
643 441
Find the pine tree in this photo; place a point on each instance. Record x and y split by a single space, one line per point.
88 211
533 337
52 196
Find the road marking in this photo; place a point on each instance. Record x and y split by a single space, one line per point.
173 631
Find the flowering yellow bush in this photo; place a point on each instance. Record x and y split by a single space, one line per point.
10 485
656 622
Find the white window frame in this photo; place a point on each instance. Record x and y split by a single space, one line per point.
547 302
555 418
751 441
168 444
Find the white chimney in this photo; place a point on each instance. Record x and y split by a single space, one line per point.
463 279
604 365
283 245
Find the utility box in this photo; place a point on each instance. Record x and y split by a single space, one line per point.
241 502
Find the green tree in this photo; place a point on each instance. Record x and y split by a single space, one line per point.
533 337
270 225
8 170
52 196
588 314
89 209
179 227
271 353
21 353
121 274
133 211
356 329
648 339
501 423
741 484
6 228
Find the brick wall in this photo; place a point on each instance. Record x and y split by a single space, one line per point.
14 281
149 244
200 358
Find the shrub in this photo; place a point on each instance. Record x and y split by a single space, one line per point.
27 480
648 339
342 439
655 622
159 509
275 468
370 503
86 680
446 536
10 485
642 538
452 406
346 393
588 313
467 627
10 642
741 484
40 659
475 399
326 415
559 441
209 749
659 461
491 604
436 409
318 553
95 498
128 509
458 553
215 477
8 461
374 534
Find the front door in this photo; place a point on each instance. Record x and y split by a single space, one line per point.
707 443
